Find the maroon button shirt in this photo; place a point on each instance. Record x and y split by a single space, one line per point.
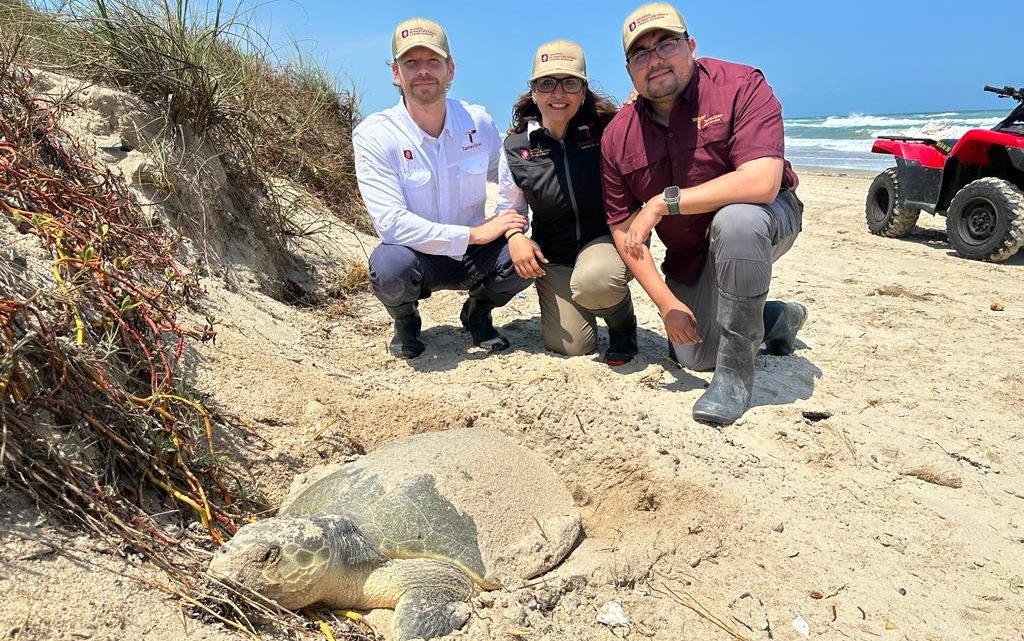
726 116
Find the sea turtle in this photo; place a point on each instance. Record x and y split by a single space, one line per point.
420 524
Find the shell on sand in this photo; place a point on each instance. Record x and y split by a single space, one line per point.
473 496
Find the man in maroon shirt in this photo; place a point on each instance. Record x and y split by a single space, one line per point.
699 158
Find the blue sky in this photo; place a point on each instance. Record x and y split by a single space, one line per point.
820 57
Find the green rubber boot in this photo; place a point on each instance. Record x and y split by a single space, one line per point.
728 395
781 323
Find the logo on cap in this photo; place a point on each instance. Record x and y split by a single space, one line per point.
407 153
405 33
632 26
543 57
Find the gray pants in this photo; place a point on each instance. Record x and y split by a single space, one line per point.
745 241
568 293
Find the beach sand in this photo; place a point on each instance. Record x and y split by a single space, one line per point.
900 516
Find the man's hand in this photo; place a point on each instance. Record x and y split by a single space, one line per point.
642 224
680 323
496 226
526 256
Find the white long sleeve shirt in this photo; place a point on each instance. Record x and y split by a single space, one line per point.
424 192
510 196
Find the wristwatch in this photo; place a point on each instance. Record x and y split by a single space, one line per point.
671 196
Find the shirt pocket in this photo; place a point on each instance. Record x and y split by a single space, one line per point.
473 181
418 187
710 155
647 174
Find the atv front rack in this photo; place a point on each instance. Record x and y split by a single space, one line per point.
945 145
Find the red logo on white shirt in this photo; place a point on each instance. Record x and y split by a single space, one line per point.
407 153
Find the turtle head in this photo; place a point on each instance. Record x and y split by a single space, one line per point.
285 559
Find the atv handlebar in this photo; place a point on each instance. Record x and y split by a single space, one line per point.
1006 92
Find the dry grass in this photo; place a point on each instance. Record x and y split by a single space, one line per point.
213 74
96 424
355 280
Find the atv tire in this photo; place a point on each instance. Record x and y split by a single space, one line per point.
885 216
985 220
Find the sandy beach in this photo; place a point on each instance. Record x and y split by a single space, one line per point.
874 491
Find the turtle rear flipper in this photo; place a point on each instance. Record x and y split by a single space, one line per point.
429 612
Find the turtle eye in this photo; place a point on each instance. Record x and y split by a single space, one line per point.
271 554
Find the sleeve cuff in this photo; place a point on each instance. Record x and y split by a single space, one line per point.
754 154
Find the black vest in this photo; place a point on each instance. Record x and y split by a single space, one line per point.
562 184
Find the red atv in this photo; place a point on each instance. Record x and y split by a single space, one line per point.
977 182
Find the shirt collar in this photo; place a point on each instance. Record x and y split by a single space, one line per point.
410 124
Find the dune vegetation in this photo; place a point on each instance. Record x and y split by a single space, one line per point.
99 426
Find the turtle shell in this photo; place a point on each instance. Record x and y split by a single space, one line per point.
471 496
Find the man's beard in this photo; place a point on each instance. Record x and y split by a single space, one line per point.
426 95
666 86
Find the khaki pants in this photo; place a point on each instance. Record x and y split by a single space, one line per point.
570 295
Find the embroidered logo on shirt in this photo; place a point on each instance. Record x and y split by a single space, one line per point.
703 122
472 145
586 137
524 153
407 153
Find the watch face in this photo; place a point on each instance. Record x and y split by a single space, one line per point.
671 193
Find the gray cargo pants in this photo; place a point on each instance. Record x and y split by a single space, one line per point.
745 241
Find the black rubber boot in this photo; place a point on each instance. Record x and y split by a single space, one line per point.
406 342
781 323
621 321
476 317
728 396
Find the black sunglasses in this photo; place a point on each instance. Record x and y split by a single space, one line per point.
547 84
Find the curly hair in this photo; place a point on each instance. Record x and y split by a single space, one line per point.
596 109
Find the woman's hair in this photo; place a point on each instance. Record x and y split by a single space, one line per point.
596 109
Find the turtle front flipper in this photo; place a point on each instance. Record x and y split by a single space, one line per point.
432 596
429 612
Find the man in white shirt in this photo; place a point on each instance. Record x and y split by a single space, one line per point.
422 168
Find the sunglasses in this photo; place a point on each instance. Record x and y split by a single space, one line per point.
664 49
547 84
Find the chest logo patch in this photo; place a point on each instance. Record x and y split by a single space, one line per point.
472 145
704 121
586 138
407 153
524 153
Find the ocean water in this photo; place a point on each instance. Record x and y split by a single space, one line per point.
844 142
